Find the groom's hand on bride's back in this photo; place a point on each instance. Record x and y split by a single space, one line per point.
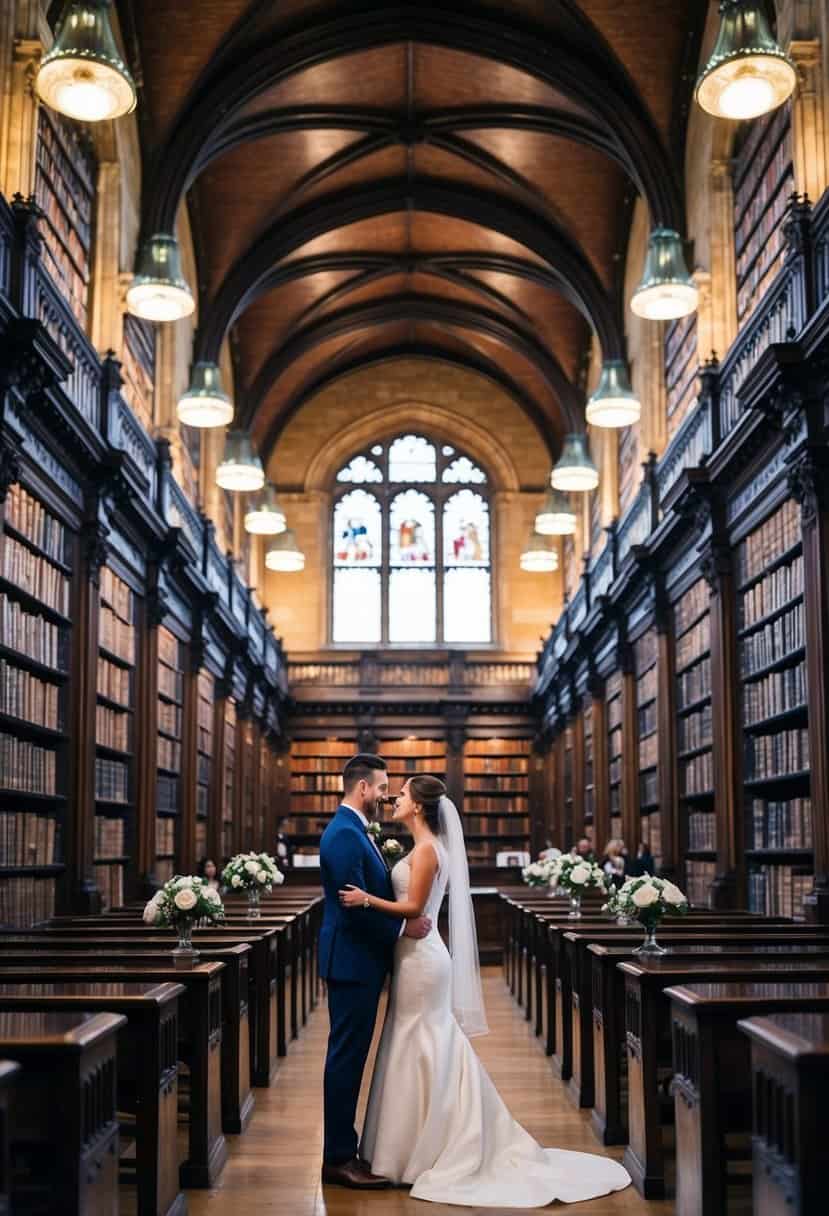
418 928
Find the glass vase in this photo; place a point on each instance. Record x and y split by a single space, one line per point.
575 906
184 954
253 903
650 947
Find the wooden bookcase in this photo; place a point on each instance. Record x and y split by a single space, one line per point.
36 570
115 837
248 759
204 760
138 368
171 665
316 789
763 183
646 669
229 800
568 784
589 774
774 714
496 813
681 370
615 758
692 650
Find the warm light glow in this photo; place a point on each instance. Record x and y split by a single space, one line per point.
159 301
539 555
556 517
748 74
205 403
666 291
747 96
240 469
285 555
80 93
614 403
575 472
83 75
665 301
266 518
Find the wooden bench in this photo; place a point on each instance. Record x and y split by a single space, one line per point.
147 1069
789 1080
648 1043
63 1136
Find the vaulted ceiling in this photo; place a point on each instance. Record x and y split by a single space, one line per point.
452 181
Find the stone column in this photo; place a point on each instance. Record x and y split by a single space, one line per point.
107 323
809 120
723 288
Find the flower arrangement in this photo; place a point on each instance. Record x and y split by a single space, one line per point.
257 871
647 899
539 873
187 898
576 875
392 850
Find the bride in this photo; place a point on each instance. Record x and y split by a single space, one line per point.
435 1121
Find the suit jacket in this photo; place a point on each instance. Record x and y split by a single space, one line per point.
356 944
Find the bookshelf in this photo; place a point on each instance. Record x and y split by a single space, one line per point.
229 769
763 183
35 640
589 774
65 177
316 790
568 777
774 714
171 662
206 689
681 368
646 672
114 736
247 757
138 368
613 697
692 642
629 471
496 814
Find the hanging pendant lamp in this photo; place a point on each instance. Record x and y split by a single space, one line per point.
83 75
539 555
285 554
748 73
666 290
267 518
159 290
240 469
614 402
556 517
575 471
205 403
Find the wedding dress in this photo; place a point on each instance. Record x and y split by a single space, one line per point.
435 1120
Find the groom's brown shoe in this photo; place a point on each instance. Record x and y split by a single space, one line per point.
354 1173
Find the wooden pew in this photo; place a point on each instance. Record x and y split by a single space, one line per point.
609 1114
63 1136
712 1077
789 1080
647 1035
8 1072
147 1069
200 1024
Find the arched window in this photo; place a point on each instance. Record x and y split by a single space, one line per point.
411 548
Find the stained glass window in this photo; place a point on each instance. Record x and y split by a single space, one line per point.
396 546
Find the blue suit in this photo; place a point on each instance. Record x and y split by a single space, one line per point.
356 951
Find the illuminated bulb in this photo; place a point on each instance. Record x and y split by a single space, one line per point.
614 402
205 403
748 73
267 518
240 469
666 290
83 75
285 555
575 471
159 290
556 517
539 555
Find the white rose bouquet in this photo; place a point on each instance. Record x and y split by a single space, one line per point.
183 900
252 871
539 873
647 899
392 850
576 875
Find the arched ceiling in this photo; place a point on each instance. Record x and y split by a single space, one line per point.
367 180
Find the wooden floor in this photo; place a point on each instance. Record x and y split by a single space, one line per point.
275 1166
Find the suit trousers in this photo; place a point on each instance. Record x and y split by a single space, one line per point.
352 1009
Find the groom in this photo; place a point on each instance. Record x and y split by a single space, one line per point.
356 951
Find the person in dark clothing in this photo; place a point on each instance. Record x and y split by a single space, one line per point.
644 862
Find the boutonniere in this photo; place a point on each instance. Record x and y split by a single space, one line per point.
375 831
392 851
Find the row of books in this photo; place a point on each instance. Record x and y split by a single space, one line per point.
702 830
648 750
27 839
645 651
696 776
646 686
778 890
27 767
316 784
496 764
324 747
168 753
35 575
694 684
762 162
110 883
751 291
489 748
26 901
30 634
771 593
647 719
505 784
648 788
650 829
615 768
694 730
164 870
694 643
113 681
691 605
758 235
762 547
66 158
781 825
481 802
170 682
112 728
117 594
165 835
699 875
774 641
775 755
169 718
27 515
111 780
168 648
110 838
166 793
614 713
776 693
23 695
116 635
201 840
506 825
681 365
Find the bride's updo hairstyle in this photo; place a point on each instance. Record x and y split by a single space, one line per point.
427 792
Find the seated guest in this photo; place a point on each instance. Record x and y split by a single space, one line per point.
584 850
644 863
615 859
210 873
284 850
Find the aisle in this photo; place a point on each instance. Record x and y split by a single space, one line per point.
275 1167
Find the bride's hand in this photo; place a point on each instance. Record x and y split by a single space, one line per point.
352 897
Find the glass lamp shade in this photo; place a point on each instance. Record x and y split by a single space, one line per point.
539 555
83 75
667 290
575 470
614 402
267 518
159 290
556 517
748 74
240 469
285 554
205 404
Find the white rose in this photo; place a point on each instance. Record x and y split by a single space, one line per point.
672 895
645 896
580 874
236 881
251 866
151 912
212 896
185 900
262 876
279 877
